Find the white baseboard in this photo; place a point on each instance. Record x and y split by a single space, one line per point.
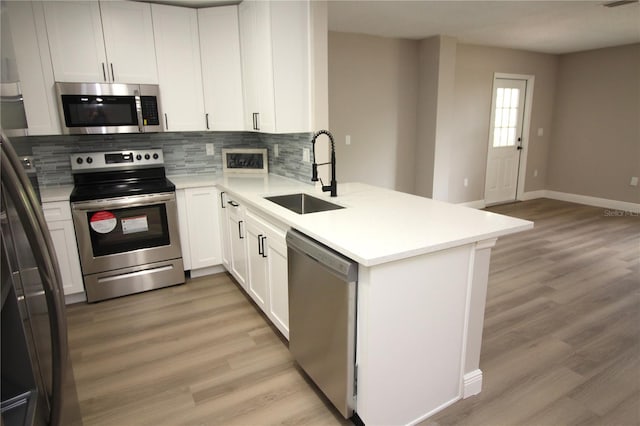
582 199
70 299
472 383
478 204
195 273
532 195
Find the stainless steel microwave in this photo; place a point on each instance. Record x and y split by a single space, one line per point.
103 108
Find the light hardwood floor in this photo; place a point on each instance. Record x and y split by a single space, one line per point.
561 342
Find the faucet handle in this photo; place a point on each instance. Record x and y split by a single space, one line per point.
314 172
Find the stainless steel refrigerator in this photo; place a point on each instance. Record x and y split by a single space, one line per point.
37 379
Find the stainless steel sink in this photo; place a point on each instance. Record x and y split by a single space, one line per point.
303 203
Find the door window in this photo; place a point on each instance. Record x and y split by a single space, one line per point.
506 117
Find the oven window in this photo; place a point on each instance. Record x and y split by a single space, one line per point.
88 111
123 230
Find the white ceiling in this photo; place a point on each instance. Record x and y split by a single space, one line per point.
548 26
541 26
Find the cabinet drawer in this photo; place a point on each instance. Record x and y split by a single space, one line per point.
57 210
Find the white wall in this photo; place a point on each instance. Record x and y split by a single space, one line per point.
373 98
596 128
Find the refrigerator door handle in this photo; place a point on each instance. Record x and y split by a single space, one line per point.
32 218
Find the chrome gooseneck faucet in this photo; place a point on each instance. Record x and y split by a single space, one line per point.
333 187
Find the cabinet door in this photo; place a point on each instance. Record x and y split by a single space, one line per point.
238 248
34 66
76 42
179 74
204 236
128 34
257 68
247 19
221 67
290 33
224 231
278 277
257 279
64 242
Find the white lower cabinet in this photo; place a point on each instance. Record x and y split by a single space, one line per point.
268 277
199 230
236 229
60 224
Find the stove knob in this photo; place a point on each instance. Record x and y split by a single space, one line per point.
79 160
147 156
138 157
89 160
155 156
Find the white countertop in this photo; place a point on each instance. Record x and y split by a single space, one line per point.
55 193
377 225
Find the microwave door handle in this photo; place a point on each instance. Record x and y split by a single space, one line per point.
136 93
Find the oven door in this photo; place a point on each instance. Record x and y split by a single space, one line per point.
126 231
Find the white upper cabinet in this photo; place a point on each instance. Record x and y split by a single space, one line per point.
276 58
257 67
221 67
290 32
128 34
180 76
33 65
110 41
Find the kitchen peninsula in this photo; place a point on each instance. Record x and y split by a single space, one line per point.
423 270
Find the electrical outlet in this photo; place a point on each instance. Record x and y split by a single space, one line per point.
276 150
535 173
347 140
466 182
540 131
210 149
634 181
305 155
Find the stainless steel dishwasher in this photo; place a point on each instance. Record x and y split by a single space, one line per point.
322 317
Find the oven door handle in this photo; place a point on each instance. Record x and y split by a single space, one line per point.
128 201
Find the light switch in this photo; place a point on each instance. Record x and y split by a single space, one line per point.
305 155
540 131
634 181
347 140
276 150
210 150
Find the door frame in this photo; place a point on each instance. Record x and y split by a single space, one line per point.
526 126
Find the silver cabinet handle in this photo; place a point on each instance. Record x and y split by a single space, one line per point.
206 117
240 222
260 247
166 122
263 239
222 200
113 75
233 203
104 72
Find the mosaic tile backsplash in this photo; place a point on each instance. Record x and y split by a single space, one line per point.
184 153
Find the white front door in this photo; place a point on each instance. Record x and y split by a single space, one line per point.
505 140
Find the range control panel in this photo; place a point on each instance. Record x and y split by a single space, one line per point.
96 161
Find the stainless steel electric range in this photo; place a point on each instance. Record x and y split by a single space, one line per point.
125 216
